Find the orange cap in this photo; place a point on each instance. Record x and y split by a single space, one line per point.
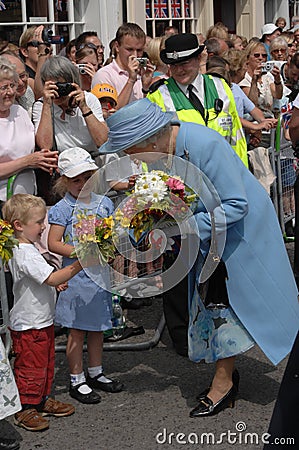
104 90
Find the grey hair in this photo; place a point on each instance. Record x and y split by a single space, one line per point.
278 42
8 70
154 137
60 67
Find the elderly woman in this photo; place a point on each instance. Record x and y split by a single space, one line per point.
67 112
17 156
261 290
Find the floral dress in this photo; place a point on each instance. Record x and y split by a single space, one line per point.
9 395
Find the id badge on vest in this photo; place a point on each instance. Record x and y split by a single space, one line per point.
225 123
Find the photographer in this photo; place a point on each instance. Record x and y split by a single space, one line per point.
87 63
67 112
34 52
129 73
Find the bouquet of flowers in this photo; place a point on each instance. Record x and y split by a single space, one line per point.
93 237
157 198
7 241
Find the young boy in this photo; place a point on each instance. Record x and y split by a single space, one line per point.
107 96
31 318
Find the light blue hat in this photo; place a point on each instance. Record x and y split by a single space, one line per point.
134 123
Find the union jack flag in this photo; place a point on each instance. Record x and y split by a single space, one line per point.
147 10
187 8
160 9
286 114
175 9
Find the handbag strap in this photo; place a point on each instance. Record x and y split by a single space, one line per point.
213 258
54 144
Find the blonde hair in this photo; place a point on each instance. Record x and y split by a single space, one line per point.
153 51
236 60
19 207
60 186
26 36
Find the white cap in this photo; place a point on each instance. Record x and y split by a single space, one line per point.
74 161
269 28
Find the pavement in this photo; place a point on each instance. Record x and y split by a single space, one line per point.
160 389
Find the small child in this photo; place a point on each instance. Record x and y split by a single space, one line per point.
85 307
31 318
107 96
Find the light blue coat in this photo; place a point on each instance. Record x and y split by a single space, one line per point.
261 286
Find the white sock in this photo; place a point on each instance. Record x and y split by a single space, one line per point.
80 378
98 370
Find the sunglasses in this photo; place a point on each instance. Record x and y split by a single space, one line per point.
277 50
90 45
293 44
257 55
35 44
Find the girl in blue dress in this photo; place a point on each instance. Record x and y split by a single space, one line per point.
85 306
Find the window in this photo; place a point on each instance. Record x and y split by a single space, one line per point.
164 13
62 16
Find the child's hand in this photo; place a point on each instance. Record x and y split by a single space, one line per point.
62 287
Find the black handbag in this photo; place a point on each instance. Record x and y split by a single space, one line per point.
213 291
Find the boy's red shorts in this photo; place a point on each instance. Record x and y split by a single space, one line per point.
34 363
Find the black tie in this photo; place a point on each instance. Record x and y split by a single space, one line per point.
194 100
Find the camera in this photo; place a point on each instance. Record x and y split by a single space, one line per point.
267 66
48 38
65 89
142 61
81 68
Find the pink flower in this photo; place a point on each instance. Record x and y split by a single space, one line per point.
175 185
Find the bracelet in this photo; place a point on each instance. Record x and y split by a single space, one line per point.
277 83
131 81
145 91
89 113
200 65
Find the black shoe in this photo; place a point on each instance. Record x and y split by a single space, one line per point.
235 379
207 408
9 444
113 386
88 399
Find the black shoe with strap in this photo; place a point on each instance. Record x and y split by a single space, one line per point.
113 386
88 399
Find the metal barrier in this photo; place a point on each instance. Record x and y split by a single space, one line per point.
282 193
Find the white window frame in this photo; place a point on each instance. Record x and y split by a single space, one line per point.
51 23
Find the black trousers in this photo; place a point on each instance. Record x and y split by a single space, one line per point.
285 418
175 306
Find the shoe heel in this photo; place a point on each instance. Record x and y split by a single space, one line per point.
231 404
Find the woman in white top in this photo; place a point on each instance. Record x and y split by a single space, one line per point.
17 156
262 87
75 114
